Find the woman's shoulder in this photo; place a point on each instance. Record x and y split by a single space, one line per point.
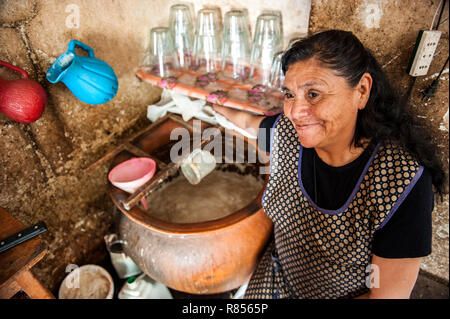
397 156
391 180
407 234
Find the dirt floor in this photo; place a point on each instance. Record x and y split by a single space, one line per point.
427 287
430 287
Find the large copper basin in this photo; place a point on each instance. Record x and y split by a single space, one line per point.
201 258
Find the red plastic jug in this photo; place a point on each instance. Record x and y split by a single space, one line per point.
21 100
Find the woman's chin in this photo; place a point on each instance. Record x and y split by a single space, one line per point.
307 140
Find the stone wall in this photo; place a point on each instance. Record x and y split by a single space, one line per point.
41 164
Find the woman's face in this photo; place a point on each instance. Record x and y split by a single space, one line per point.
321 105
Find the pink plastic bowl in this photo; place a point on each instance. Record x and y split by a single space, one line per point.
131 174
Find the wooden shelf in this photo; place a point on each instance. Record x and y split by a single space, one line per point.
217 88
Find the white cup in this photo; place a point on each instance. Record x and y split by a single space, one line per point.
197 165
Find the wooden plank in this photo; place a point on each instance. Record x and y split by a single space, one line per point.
179 120
32 286
9 289
21 257
140 153
122 147
267 103
105 158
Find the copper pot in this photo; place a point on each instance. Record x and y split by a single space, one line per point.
200 258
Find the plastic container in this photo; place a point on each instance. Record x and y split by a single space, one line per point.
132 174
91 80
123 264
143 287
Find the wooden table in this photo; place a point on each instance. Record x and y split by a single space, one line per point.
15 263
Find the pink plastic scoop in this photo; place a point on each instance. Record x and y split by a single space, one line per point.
132 174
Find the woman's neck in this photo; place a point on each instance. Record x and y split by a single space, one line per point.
339 155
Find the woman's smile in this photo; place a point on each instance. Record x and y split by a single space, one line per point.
303 126
307 126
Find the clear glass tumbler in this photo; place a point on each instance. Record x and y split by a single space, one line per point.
162 57
236 45
182 31
207 43
276 72
266 43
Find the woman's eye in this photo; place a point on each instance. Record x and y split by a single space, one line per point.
312 94
288 95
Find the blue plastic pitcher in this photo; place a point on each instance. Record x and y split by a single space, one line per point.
91 80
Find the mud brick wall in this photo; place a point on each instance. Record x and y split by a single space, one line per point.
41 164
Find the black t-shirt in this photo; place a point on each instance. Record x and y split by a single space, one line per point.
407 234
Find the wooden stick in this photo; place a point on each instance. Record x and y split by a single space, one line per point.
160 177
145 189
128 146
140 153
177 119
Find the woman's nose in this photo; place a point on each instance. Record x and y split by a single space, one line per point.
300 109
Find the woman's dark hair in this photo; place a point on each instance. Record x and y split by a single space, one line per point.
386 116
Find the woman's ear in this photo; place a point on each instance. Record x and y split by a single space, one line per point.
364 86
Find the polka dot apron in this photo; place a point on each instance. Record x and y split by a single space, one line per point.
318 253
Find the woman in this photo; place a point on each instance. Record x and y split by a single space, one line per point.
350 187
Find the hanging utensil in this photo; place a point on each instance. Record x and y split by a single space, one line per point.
21 100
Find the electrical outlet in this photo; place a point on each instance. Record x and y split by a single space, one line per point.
423 52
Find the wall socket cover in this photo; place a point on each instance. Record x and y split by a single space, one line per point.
423 52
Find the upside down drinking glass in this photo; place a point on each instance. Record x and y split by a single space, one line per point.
236 45
207 43
276 72
266 42
162 57
182 32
